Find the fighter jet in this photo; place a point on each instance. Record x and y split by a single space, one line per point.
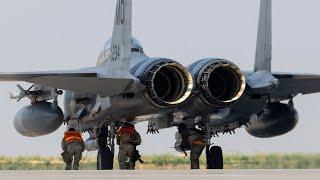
127 85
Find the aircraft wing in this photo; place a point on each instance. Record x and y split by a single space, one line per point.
293 84
76 81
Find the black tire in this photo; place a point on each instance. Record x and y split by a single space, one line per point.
215 158
105 159
209 158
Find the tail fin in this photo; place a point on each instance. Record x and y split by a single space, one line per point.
120 56
264 40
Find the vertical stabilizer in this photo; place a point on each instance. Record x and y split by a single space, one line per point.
264 40
119 59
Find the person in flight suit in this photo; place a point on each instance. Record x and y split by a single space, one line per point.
72 145
192 139
128 139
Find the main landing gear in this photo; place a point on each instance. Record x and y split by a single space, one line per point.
214 157
214 154
105 155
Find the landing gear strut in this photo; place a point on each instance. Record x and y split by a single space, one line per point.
214 157
105 155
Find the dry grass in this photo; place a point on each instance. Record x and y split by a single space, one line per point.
169 161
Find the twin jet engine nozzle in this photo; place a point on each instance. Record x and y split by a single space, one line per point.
217 82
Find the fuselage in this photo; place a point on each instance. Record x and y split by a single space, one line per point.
93 109
126 106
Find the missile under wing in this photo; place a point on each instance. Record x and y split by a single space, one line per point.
211 94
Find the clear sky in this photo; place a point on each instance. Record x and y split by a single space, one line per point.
58 35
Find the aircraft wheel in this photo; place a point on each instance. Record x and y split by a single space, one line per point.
105 159
214 157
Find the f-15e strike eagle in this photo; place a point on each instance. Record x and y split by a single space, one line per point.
126 85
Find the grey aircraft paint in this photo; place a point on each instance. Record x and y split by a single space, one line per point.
127 85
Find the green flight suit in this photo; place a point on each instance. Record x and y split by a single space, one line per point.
127 145
194 140
72 152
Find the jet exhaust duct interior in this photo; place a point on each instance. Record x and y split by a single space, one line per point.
167 82
220 82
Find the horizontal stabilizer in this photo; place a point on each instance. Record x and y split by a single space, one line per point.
294 84
77 81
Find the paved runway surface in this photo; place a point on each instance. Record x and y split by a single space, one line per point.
166 175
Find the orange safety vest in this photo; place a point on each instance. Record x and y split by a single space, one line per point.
70 137
126 130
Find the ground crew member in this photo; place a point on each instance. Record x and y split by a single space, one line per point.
192 139
128 139
72 145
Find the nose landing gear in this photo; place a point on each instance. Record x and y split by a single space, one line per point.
105 155
105 159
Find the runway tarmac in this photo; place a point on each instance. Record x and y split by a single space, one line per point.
163 175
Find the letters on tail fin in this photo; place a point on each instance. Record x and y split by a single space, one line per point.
264 40
118 63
